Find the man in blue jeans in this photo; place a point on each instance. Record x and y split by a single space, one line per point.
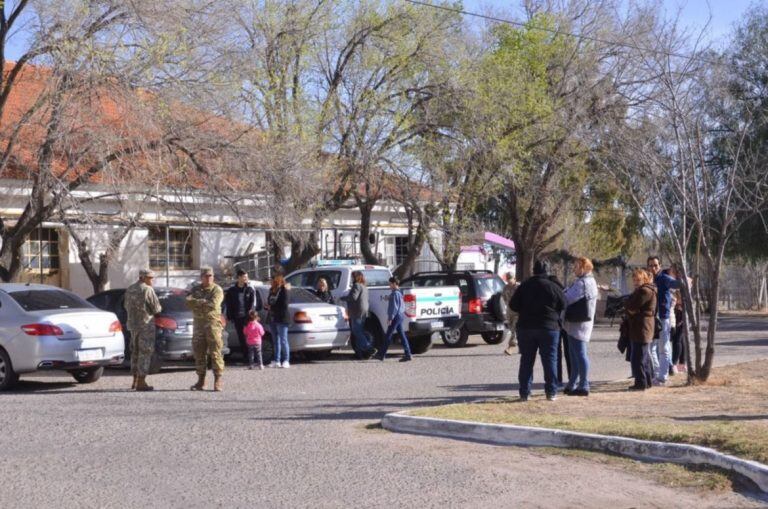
395 316
538 303
661 348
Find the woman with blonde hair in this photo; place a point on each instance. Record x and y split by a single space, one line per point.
641 314
581 300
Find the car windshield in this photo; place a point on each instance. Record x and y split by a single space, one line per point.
489 285
43 300
173 301
302 296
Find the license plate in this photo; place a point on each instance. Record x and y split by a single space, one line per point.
437 324
94 354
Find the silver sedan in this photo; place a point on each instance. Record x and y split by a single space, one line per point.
43 327
316 328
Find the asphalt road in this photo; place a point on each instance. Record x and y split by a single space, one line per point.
307 437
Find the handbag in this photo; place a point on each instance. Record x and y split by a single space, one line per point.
579 310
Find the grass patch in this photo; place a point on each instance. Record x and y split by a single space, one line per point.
667 474
729 414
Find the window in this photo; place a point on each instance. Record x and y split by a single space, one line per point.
179 248
42 246
489 285
43 300
376 277
401 249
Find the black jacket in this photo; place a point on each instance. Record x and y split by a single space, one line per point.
232 302
539 303
278 305
324 296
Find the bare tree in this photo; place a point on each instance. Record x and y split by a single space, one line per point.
685 157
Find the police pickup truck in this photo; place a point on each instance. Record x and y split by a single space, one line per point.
427 310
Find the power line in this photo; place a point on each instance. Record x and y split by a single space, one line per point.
562 32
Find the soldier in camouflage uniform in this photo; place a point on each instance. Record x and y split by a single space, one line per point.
205 301
141 304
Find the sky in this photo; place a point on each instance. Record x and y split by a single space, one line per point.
694 14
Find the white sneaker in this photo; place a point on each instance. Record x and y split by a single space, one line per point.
286 365
274 364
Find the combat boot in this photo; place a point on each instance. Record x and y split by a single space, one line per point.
217 386
133 385
141 384
200 385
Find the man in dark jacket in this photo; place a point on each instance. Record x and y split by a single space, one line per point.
661 348
239 300
539 303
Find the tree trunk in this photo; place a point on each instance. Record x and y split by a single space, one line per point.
414 249
366 208
524 262
709 353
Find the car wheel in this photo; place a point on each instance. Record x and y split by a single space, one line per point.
87 375
127 351
454 338
267 349
317 355
155 364
420 344
8 376
493 338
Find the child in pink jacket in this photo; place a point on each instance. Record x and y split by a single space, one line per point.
253 334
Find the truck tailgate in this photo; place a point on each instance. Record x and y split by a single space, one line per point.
432 302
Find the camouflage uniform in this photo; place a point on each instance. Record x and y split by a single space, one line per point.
141 304
205 304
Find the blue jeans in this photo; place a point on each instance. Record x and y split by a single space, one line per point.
396 326
360 343
280 341
546 342
661 352
577 350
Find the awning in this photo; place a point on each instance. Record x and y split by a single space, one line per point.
490 239
498 241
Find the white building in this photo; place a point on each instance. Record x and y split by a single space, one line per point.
175 247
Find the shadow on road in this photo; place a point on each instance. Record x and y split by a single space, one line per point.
722 417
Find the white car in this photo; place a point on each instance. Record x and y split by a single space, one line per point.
316 328
46 328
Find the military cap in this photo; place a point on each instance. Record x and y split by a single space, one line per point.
146 273
206 271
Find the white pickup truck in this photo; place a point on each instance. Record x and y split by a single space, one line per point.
427 310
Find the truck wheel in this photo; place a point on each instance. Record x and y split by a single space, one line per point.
87 375
374 333
8 376
493 338
454 338
420 344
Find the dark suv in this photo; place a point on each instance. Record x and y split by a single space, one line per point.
482 308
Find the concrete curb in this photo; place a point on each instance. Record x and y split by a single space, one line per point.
505 434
